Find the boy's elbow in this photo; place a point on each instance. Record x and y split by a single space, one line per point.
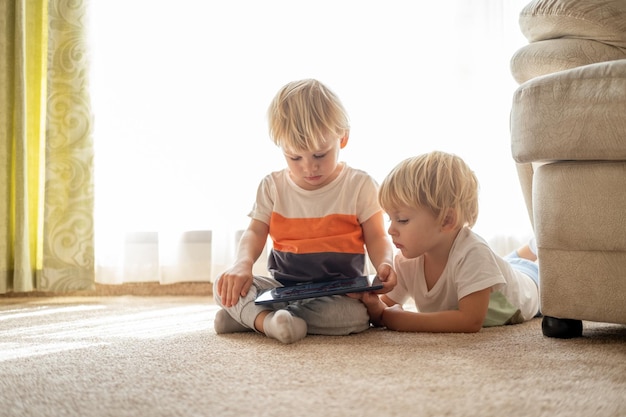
474 329
474 326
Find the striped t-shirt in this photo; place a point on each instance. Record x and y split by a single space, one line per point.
316 234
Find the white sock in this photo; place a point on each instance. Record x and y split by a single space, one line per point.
224 323
282 326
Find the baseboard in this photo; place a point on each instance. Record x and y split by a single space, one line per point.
141 289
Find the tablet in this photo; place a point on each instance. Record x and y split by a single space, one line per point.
319 289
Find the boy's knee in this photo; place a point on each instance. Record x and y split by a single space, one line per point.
333 316
216 296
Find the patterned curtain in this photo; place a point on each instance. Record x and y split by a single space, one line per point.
46 150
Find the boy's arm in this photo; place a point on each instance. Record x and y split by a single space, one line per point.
380 250
236 280
468 318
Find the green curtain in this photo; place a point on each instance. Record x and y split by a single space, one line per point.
46 149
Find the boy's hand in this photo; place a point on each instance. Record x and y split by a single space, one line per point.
235 282
370 299
232 284
374 305
367 297
388 277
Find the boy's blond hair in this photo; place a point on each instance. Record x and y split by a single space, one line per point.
305 114
437 181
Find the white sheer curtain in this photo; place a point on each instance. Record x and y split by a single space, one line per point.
180 90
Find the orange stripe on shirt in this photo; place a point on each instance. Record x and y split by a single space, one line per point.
340 233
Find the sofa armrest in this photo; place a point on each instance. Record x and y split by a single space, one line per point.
576 114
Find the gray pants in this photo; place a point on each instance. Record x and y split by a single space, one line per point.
336 315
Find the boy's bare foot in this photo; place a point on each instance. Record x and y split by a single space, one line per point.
526 253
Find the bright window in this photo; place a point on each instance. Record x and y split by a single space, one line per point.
180 90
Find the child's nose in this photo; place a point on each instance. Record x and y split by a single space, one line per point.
311 165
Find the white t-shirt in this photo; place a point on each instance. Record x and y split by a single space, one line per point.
472 266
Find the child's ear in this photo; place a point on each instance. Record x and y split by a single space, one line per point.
449 220
343 141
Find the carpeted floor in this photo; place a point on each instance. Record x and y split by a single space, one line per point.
159 356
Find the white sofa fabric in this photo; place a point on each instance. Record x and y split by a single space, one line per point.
568 138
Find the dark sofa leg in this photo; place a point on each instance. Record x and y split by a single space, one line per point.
561 328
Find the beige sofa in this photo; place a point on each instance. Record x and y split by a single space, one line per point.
568 138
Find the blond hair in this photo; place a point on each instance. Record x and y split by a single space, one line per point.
305 114
437 181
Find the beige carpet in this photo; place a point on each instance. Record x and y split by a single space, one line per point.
159 356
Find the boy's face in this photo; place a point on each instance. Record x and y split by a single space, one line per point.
313 169
414 230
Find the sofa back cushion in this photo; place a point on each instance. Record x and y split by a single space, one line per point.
600 20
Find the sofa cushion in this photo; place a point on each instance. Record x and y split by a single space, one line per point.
552 55
590 195
600 20
576 114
